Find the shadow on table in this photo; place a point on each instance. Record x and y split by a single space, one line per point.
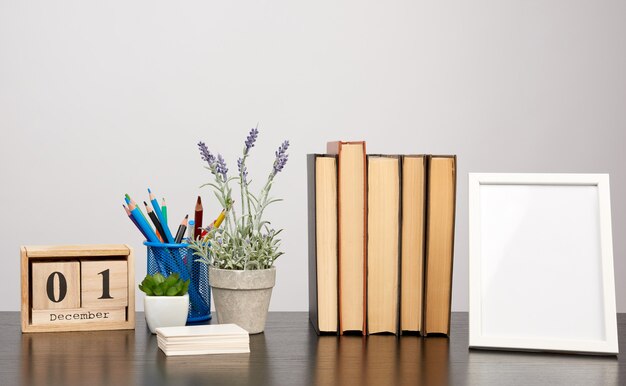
227 369
80 358
381 360
216 369
513 368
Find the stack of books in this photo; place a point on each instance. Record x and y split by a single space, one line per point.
200 340
381 241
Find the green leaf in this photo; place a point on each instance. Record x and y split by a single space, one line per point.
148 282
172 291
158 278
171 280
148 291
219 189
220 199
273 200
253 196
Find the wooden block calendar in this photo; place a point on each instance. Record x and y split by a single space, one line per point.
77 288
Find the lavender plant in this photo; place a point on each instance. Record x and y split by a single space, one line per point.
245 241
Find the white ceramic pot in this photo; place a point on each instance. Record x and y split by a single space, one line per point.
165 311
242 297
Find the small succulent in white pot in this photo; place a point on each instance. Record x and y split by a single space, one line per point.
241 253
167 302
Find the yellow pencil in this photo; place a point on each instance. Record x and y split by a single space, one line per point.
219 219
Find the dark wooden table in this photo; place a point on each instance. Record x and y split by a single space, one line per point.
289 353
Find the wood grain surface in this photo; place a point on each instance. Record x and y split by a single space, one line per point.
290 353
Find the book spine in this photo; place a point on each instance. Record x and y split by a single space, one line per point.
454 174
365 199
313 310
334 148
399 273
423 273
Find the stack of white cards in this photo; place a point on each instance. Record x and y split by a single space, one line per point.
200 340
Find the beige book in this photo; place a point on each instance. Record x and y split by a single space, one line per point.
412 251
383 245
351 201
323 291
439 244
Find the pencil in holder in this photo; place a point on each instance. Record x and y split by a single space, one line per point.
170 258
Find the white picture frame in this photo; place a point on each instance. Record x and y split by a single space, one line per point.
541 263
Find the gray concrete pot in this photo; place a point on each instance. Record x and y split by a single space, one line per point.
242 297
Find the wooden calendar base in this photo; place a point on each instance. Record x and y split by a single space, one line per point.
77 288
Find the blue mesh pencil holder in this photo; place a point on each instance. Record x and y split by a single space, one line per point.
169 258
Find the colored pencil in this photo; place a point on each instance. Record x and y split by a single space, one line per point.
129 201
181 230
130 216
198 219
215 224
155 221
219 219
190 235
191 229
164 210
143 224
167 235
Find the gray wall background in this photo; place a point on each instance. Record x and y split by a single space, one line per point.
98 99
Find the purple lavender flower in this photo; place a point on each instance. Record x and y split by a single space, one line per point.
206 154
244 172
281 158
221 167
250 140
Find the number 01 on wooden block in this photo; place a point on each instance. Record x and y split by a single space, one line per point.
77 288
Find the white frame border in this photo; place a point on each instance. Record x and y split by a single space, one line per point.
476 340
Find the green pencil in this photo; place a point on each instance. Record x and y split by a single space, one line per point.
164 210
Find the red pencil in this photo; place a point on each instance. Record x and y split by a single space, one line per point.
198 219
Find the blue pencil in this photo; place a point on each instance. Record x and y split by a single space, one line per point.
130 216
159 213
141 221
131 201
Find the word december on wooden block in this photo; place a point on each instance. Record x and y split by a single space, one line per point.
78 316
77 288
